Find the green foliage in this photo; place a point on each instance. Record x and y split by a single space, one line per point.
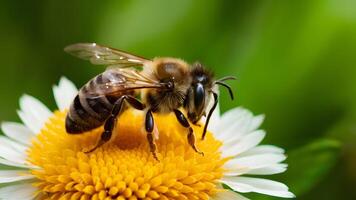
295 62
310 164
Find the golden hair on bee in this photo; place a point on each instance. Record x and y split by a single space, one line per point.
166 84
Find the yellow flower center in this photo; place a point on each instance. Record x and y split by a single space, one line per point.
124 168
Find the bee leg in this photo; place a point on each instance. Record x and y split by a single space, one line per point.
115 113
209 115
149 126
191 137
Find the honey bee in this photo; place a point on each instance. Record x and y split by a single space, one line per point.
161 85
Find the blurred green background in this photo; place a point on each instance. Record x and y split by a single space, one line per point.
295 62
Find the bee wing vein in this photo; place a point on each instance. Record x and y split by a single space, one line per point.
101 55
121 80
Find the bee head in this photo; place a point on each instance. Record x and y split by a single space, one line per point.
199 93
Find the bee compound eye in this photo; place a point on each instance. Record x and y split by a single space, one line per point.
170 85
199 97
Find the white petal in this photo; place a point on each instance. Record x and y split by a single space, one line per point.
261 149
8 176
215 118
17 132
238 122
263 186
23 191
34 107
238 128
269 170
18 147
257 170
33 113
253 162
241 127
233 114
228 195
15 164
11 151
245 124
30 122
232 122
64 93
255 123
237 146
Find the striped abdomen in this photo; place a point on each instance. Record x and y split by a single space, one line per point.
91 107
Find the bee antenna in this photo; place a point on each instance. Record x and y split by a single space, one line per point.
226 78
209 114
227 87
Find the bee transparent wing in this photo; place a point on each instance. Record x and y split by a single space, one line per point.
101 55
119 81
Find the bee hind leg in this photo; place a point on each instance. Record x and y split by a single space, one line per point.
149 126
191 136
115 113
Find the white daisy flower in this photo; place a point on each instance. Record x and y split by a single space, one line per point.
42 161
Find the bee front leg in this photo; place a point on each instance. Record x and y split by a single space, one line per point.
115 113
191 137
149 126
